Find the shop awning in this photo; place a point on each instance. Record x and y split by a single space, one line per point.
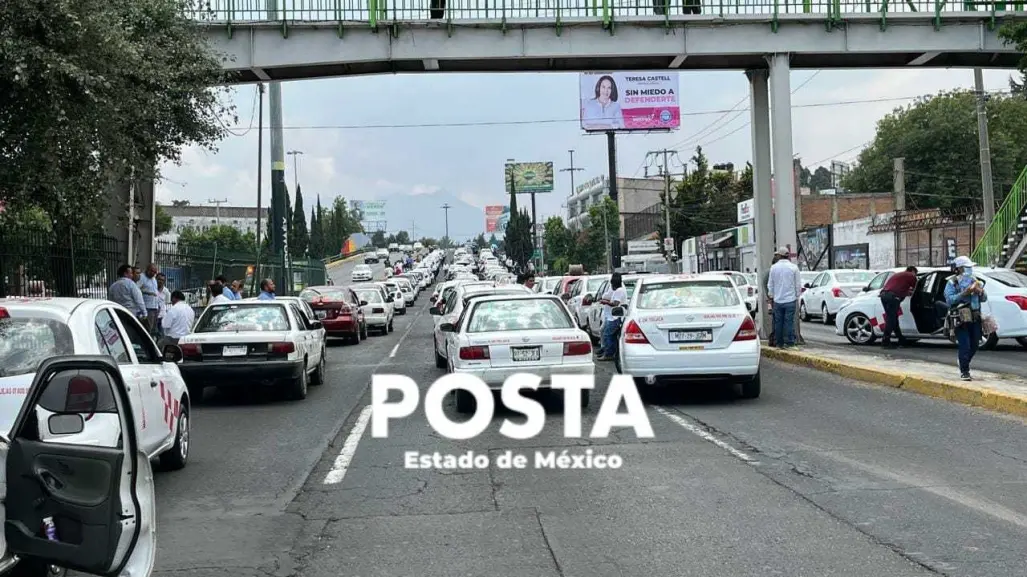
721 241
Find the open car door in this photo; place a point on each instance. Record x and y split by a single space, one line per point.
80 505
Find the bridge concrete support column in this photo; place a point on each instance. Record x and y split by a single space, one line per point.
759 113
784 173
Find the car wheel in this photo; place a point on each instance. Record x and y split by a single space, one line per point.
319 374
824 316
988 342
465 402
858 329
390 329
440 361
176 457
803 313
363 331
751 388
298 388
1022 341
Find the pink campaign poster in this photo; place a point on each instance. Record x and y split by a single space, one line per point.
629 101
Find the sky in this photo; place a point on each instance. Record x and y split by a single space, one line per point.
385 137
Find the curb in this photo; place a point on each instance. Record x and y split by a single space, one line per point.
343 260
956 392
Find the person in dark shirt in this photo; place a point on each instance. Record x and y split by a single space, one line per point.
896 288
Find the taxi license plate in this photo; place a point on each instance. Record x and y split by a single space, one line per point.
527 353
234 351
702 336
321 314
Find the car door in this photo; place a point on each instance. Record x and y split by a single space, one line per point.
157 399
98 499
111 341
304 335
811 296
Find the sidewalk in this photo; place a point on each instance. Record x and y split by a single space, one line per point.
997 392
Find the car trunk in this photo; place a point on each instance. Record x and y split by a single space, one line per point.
331 309
670 330
527 348
849 290
229 346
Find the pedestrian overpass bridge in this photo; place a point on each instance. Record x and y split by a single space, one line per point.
297 39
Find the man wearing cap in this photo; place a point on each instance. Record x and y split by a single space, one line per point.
784 283
964 291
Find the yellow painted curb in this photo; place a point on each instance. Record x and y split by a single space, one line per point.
957 392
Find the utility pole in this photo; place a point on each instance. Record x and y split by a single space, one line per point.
446 208
217 209
257 277
982 130
572 169
279 240
665 173
295 169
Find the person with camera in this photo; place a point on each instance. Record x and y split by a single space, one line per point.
964 294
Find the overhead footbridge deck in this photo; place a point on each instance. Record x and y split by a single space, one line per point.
295 39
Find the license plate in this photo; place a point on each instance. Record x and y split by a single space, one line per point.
321 314
691 336
527 354
234 351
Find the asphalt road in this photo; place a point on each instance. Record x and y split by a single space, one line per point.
820 476
1008 358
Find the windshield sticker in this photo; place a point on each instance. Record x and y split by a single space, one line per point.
14 391
650 319
691 348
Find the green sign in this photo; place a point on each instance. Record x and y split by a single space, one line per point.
537 254
529 177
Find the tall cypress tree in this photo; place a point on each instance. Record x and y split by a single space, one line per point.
300 240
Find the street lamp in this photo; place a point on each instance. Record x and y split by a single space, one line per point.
295 170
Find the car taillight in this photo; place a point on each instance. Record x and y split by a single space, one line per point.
577 348
633 334
4 314
1020 301
837 292
190 350
474 353
747 332
282 348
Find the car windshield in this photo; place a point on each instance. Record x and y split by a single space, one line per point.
311 295
493 292
236 318
369 295
857 277
1009 278
550 283
27 341
518 315
688 294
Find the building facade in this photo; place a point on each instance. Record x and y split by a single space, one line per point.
634 196
203 218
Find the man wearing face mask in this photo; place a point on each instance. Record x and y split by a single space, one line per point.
964 295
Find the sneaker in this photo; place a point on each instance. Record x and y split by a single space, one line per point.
965 377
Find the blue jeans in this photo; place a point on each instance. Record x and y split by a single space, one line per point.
968 338
610 328
784 324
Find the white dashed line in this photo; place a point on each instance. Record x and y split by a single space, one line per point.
705 435
395 350
349 448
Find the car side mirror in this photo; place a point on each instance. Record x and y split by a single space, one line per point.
447 328
363 303
866 288
617 311
587 301
316 325
173 353
807 285
566 296
66 424
434 311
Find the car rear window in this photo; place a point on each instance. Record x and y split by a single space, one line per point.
371 296
688 294
236 318
1009 278
518 315
27 341
854 277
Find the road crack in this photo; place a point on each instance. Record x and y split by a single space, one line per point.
545 540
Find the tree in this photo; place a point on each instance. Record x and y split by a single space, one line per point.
480 242
162 223
220 238
1015 33
518 235
559 243
378 239
316 247
937 136
707 201
820 179
95 89
299 240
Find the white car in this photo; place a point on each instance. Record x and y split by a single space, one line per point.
378 312
685 327
502 335
452 304
407 288
33 330
922 316
399 300
746 288
94 491
361 273
831 289
254 343
594 328
586 288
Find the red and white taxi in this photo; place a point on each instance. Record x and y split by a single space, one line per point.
33 330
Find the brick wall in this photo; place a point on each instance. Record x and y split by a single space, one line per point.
818 210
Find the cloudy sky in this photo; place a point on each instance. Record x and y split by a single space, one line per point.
387 137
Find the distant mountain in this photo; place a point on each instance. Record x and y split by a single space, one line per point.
423 213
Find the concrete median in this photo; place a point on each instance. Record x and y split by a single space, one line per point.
1000 393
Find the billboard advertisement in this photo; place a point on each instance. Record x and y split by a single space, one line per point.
629 101
496 218
529 177
372 214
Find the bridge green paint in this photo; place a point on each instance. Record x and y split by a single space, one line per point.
989 250
498 13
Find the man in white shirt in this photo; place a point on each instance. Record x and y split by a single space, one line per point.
784 284
616 296
178 320
163 301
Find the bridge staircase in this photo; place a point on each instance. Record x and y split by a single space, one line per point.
1004 243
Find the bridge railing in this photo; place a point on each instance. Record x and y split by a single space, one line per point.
314 11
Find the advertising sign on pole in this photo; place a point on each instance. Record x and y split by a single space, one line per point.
746 210
496 218
627 101
372 214
529 177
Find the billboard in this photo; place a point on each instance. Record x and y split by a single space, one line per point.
372 214
529 176
629 101
496 218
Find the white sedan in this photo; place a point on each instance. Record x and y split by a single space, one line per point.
399 301
688 327
502 335
378 311
361 273
830 290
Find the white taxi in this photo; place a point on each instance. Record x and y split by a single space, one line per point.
361 273
688 327
451 306
32 330
399 301
502 335
378 310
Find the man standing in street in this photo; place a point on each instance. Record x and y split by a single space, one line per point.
148 286
267 290
615 297
784 283
178 320
897 288
126 292
163 301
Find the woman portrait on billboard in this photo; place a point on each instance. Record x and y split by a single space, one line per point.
602 112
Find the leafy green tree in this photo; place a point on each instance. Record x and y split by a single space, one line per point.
480 242
937 136
518 236
95 88
378 239
221 238
299 241
559 242
162 223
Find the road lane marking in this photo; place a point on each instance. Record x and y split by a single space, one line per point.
394 350
349 448
704 435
